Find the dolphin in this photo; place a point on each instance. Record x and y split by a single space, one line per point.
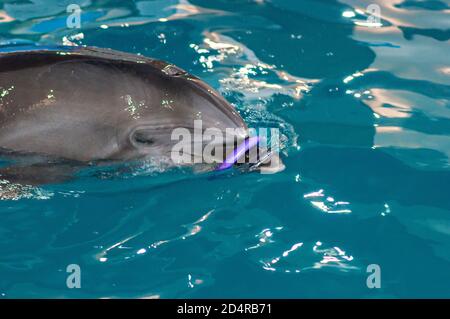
88 104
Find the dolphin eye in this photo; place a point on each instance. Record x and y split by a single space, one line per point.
142 138
173 70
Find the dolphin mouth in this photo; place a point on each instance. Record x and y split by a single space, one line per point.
238 152
269 162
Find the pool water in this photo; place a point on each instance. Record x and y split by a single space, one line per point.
363 109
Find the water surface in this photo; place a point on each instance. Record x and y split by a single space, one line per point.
365 117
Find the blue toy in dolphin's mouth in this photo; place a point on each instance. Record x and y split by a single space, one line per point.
246 145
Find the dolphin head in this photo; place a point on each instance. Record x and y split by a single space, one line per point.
170 108
89 104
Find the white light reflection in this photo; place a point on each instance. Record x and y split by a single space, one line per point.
264 237
309 259
334 257
368 24
192 230
319 193
387 210
327 204
351 77
250 74
14 191
294 247
348 14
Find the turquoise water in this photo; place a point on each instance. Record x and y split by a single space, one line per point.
365 117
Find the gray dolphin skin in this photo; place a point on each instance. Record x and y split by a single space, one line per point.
88 104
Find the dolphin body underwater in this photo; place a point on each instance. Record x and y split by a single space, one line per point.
84 104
